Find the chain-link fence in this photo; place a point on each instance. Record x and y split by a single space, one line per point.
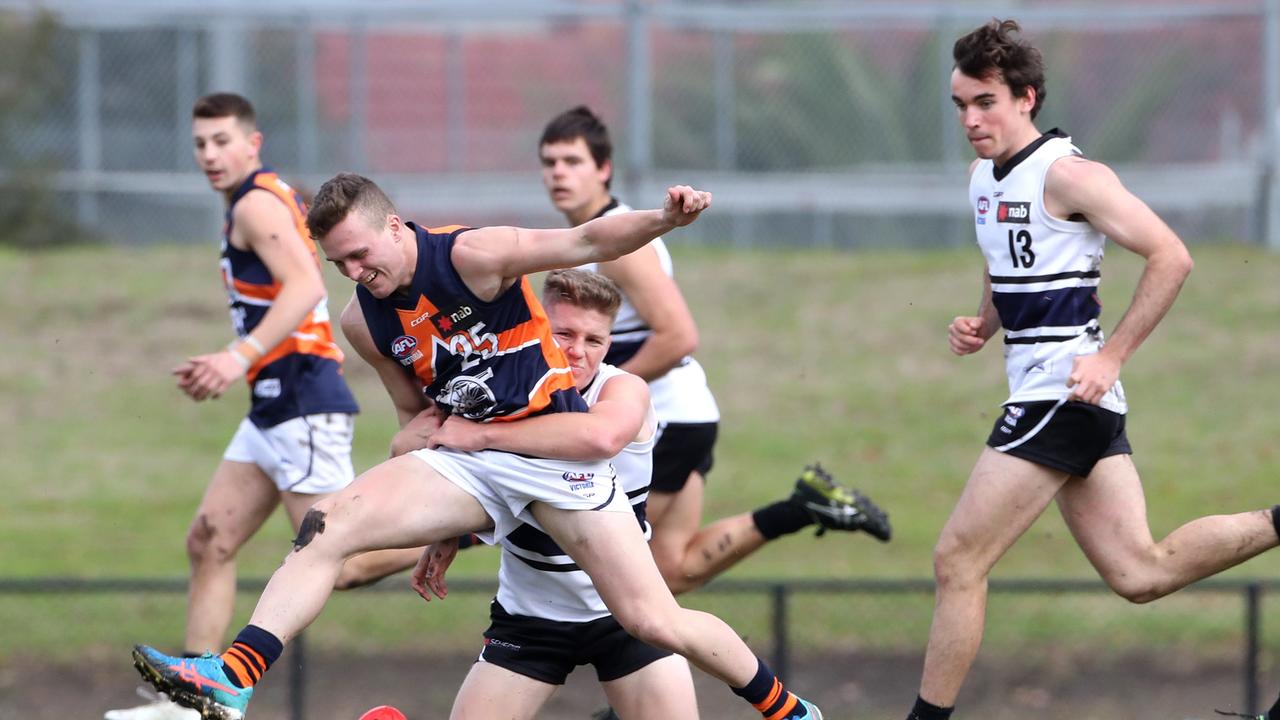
814 123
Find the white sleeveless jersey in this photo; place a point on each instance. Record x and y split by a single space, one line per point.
535 577
1044 273
680 396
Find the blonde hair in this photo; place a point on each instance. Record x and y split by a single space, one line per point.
583 289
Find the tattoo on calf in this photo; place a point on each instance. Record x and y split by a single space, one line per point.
312 525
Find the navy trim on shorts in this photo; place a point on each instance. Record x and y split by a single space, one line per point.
311 455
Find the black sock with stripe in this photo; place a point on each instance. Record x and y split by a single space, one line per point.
250 656
766 694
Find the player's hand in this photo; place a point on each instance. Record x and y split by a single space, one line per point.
459 434
416 433
207 376
684 204
966 335
428 574
1092 376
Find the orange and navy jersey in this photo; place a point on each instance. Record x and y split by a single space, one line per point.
494 360
303 374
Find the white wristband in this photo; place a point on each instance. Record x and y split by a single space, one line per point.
244 361
253 343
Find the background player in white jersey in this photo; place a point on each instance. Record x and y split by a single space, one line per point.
654 337
1042 213
547 617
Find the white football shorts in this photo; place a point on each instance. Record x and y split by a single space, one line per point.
308 455
505 484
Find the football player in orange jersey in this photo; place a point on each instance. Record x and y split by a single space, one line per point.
454 310
294 445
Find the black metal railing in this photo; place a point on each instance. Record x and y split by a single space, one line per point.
780 594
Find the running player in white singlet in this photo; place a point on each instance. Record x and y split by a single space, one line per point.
548 617
1042 212
654 337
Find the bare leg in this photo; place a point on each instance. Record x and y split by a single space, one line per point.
363 569
402 503
1003 497
239 499
490 692
1107 514
658 691
688 557
611 549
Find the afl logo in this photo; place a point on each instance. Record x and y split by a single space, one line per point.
983 205
403 346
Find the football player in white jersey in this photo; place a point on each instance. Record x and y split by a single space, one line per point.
654 337
547 617
1042 212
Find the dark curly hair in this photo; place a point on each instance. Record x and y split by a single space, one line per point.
993 51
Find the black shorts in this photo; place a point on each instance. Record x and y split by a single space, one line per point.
1071 436
547 650
681 449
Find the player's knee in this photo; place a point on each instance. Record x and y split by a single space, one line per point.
205 544
954 567
651 628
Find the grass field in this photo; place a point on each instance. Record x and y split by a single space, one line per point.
835 357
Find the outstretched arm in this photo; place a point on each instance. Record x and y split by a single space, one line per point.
490 259
616 419
1078 186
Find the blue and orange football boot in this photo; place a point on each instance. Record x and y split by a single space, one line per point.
197 683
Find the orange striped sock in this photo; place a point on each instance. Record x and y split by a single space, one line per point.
243 665
767 695
253 651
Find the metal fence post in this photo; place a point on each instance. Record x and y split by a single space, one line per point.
639 97
298 678
1253 628
1271 120
781 651
88 125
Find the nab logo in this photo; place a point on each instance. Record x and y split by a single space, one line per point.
447 321
403 346
984 205
1014 212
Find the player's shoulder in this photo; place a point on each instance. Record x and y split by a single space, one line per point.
613 377
1075 174
258 205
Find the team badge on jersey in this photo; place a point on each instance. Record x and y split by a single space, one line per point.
984 204
469 395
1014 212
405 349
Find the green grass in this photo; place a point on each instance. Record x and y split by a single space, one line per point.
813 355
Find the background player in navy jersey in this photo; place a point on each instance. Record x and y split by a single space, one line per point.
654 337
295 444
1042 213
454 309
547 617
